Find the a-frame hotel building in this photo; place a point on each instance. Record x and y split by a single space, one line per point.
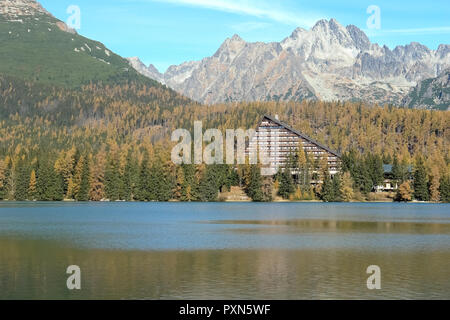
277 140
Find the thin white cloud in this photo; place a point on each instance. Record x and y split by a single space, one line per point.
259 8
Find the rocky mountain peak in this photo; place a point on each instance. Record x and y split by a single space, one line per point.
14 9
150 71
360 39
332 32
237 38
230 48
331 26
443 50
328 62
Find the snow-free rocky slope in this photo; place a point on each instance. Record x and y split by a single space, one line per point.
328 62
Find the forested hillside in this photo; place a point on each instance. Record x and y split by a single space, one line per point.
38 47
113 141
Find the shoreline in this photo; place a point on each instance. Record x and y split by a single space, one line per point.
226 201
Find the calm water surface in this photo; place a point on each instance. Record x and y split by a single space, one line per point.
224 250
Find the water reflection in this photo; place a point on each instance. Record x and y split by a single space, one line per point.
36 270
224 251
308 225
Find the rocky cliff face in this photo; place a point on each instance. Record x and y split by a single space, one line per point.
328 62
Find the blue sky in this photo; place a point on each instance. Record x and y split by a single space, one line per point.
166 32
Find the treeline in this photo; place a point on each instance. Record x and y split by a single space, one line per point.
359 177
111 176
147 174
112 142
36 117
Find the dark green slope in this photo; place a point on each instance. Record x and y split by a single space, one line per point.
38 49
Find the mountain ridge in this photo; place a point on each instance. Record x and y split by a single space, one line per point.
328 62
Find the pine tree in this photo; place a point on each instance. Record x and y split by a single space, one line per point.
10 180
374 165
161 186
267 189
178 192
328 189
421 181
254 186
190 187
50 184
22 181
75 181
143 193
130 178
233 177
3 180
208 187
363 179
444 189
113 181
397 172
85 181
337 185
286 187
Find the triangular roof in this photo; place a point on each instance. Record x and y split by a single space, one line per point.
304 136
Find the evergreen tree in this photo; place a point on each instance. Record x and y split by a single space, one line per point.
286 187
10 180
50 185
73 187
362 178
254 186
233 177
85 183
113 181
267 189
178 192
22 181
190 186
374 165
444 189
421 181
327 192
3 180
161 182
130 178
208 188
337 185
397 172
143 193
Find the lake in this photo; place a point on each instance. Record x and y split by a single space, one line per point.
224 250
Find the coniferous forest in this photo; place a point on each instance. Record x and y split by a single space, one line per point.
112 142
